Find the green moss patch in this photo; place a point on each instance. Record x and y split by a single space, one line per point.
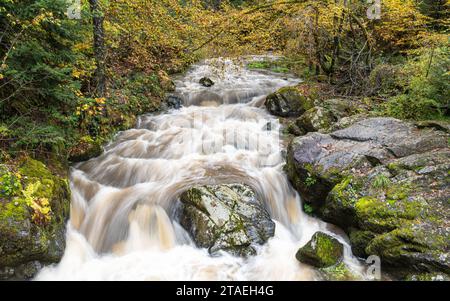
321 251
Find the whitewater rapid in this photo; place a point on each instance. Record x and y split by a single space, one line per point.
123 224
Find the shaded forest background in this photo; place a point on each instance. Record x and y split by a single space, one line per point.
67 85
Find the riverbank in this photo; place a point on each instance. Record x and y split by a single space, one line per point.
383 180
38 194
35 193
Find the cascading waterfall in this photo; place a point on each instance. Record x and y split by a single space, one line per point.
123 225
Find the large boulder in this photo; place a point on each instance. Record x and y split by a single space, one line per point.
324 115
225 217
288 102
386 183
317 119
321 251
34 207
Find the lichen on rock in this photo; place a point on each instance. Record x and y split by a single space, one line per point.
32 221
225 217
386 183
288 102
321 251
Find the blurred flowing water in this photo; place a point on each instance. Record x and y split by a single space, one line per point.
122 224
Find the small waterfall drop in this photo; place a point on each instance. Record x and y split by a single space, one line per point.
123 225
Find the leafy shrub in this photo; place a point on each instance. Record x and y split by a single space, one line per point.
308 208
27 134
9 182
310 181
385 80
381 182
425 92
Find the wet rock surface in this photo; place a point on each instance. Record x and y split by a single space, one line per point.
321 251
32 222
225 217
288 102
173 102
385 182
206 82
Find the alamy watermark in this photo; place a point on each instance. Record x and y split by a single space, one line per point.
374 10
74 9
373 271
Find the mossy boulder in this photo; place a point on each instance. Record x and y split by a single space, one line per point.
323 117
436 124
338 272
359 241
386 183
317 119
225 217
348 121
32 220
339 108
321 251
317 162
288 102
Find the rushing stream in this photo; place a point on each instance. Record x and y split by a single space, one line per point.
123 225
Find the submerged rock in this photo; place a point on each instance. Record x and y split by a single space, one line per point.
33 213
206 82
225 217
386 183
321 251
174 102
288 102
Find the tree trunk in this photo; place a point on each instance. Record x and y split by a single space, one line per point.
99 48
338 23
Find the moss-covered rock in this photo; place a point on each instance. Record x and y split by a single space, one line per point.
386 183
317 119
348 121
321 251
225 217
440 125
32 221
317 162
359 241
288 102
422 247
338 272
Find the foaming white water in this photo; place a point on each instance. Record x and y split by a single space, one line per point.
122 224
